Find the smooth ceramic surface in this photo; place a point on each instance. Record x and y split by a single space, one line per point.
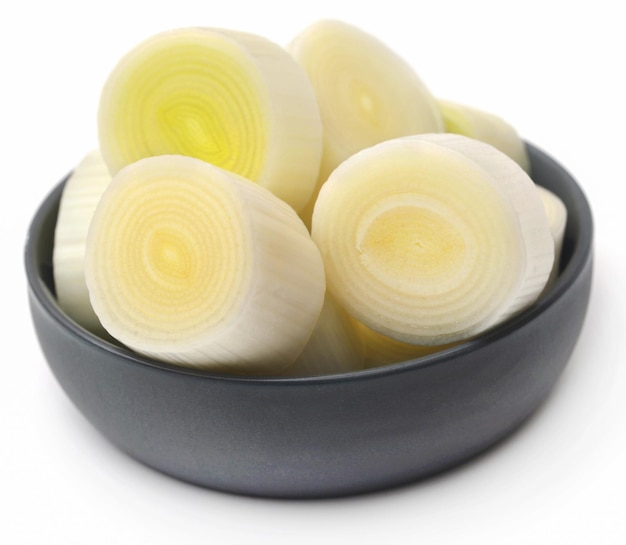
325 436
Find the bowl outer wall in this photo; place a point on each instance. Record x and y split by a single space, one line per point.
325 436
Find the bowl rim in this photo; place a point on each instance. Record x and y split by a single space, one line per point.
572 270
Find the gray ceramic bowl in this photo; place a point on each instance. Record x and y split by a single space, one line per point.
325 436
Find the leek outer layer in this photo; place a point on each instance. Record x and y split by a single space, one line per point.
557 218
79 199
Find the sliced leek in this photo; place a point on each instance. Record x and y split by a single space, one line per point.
557 218
381 350
334 347
366 92
80 196
484 126
192 264
230 98
432 239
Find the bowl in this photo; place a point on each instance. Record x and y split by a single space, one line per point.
322 436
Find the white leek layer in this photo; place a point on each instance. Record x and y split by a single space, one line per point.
192 264
431 239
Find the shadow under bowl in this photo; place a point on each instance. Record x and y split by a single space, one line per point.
322 436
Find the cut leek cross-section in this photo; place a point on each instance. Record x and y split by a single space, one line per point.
192 264
233 99
433 238
366 92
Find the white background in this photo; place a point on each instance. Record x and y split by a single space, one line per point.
554 69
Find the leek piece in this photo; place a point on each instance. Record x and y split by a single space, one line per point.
80 196
334 347
195 265
486 127
233 99
433 238
367 93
